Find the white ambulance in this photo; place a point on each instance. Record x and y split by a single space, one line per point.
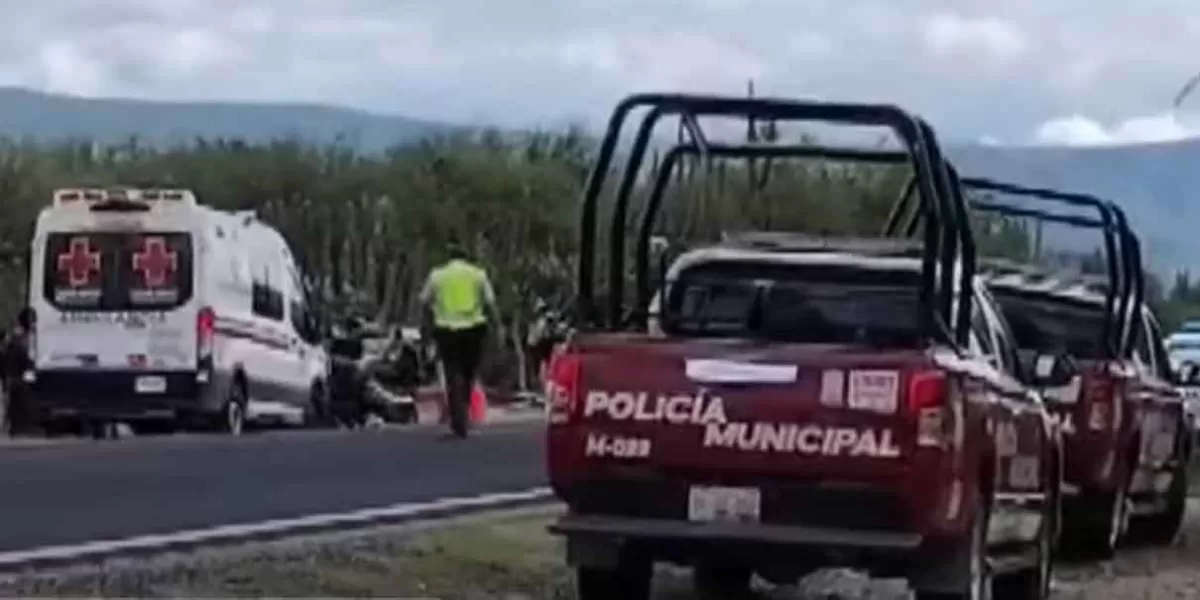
153 309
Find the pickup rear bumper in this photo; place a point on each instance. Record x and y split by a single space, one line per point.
599 539
791 535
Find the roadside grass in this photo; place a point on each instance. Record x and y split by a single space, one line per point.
505 558
499 556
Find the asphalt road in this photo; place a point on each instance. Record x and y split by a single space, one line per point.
71 492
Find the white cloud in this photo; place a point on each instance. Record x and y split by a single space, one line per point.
947 34
1077 130
64 69
973 68
681 59
810 44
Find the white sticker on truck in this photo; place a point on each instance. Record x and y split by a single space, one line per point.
874 390
729 371
833 387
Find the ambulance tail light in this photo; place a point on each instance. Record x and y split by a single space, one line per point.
206 321
29 375
564 387
31 333
927 402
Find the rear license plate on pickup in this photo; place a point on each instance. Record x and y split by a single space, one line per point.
724 504
150 384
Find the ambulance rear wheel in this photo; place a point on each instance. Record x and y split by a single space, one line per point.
319 413
232 418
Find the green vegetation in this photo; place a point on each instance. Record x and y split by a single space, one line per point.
368 227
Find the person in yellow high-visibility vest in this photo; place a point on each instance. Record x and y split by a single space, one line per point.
459 301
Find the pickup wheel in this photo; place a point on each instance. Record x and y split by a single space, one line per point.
1161 529
629 581
1034 583
977 581
1099 526
718 582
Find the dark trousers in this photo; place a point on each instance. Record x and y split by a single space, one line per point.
460 351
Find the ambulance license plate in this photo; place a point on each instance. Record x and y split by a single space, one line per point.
150 384
724 504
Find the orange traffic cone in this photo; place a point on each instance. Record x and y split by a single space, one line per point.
479 407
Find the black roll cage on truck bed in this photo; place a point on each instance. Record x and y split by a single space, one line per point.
1122 251
948 240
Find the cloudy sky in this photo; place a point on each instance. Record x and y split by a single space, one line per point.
1019 71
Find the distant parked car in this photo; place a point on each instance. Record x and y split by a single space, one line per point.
1188 378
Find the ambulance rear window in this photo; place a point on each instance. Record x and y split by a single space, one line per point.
118 271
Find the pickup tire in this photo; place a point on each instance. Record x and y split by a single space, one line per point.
1100 525
719 582
1162 528
629 581
977 584
1034 583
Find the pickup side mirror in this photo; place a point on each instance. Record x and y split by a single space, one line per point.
1188 374
1045 370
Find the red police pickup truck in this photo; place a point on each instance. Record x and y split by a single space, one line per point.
1122 419
802 403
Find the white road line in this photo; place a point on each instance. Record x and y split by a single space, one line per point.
362 517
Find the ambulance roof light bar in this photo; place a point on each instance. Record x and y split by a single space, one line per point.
159 196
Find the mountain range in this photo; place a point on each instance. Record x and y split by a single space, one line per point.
1153 182
50 117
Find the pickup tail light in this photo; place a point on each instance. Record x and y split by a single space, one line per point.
927 402
206 323
1099 396
563 387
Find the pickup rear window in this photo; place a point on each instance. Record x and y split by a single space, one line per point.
817 304
1049 324
118 271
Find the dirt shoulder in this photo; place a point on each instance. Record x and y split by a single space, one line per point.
1140 573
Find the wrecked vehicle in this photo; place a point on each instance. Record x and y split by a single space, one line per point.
1098 353
394 370
375 374
805 402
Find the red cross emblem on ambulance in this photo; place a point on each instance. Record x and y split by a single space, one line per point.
79 262
155 261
